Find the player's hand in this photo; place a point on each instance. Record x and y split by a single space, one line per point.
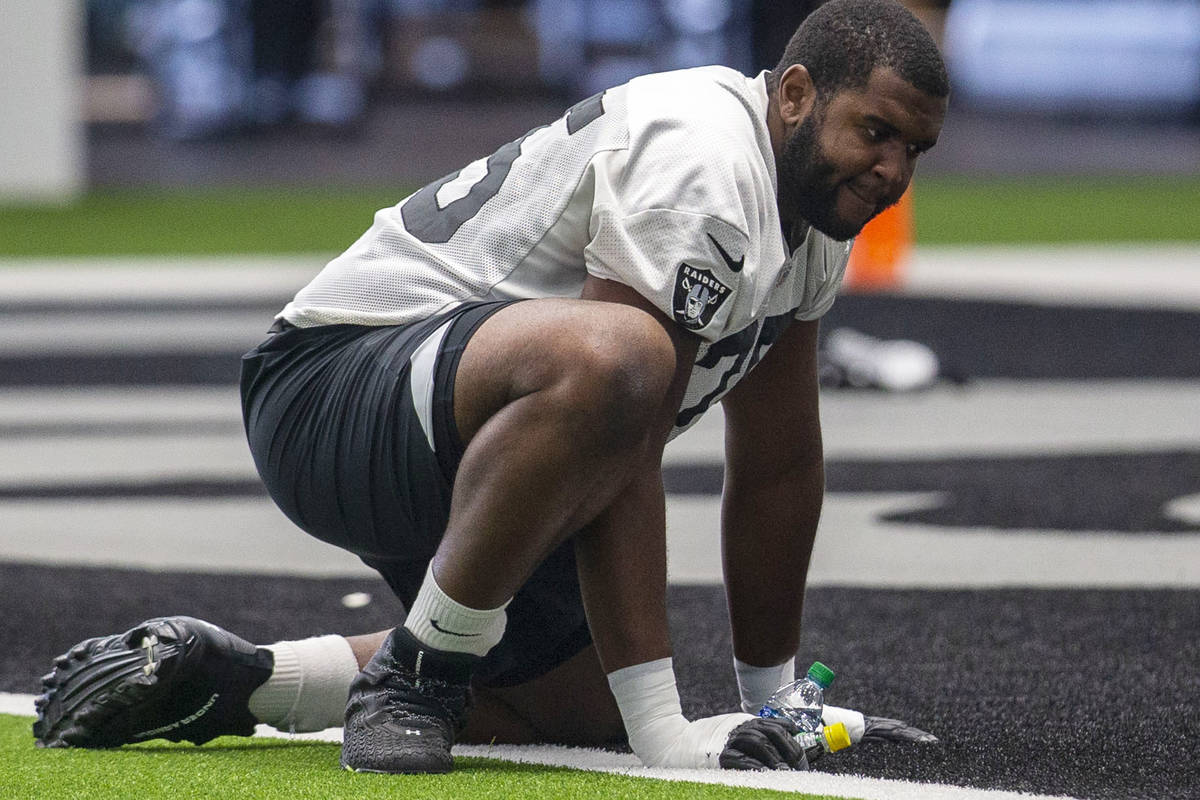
882 729
762 743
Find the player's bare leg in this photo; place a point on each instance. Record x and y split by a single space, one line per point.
593 384
556 408
562 405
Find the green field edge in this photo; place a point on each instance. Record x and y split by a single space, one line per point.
264 768
300 219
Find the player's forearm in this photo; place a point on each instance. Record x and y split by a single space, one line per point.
622 563
768 528
622 569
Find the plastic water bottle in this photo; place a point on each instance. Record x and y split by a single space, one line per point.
802 701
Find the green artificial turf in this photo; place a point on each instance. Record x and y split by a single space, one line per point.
201 222
1057 210
307 219
265 769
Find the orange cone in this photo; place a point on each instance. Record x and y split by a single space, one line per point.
880 251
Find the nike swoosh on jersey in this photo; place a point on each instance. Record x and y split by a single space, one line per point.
734 266
440 629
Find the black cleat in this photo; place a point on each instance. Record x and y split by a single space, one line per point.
175 678
405 708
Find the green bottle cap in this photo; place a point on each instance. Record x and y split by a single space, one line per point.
820 674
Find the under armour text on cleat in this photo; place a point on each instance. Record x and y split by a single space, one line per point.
175 678
406 707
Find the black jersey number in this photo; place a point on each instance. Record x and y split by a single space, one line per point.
424 219
748 344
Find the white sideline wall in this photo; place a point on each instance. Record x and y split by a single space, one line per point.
41 78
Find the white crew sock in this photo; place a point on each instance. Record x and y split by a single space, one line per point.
308 688
442 623
757 684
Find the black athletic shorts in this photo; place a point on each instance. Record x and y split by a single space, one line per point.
352 430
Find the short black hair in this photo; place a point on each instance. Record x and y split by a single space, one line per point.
843 41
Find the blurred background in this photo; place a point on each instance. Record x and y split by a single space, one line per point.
1012 411
121 93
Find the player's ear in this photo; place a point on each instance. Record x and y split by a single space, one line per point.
797 94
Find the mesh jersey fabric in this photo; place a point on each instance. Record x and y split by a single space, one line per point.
666 184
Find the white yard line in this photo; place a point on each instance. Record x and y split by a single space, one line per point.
625 764
77 333
1140 274
156 278
74 405
856 547
986 418
1129 275
226 535
989 417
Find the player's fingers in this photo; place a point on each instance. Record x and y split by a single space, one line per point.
783 740
763 744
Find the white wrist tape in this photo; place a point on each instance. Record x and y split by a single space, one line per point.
853 720
756 684
658 732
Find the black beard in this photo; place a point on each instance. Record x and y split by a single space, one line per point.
807 190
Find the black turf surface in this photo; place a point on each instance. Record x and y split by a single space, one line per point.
973 339
1087 693
1122 492
989 339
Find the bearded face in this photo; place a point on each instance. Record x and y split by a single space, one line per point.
810 184
853 154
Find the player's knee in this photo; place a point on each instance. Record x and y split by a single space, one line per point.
619 373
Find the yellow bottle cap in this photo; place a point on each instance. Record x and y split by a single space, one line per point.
837 737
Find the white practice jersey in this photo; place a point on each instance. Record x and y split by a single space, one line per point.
665 184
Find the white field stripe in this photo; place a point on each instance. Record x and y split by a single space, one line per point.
992 417
855 546
129 332
68 406
986 418
592 760
237 536
1128 275
156 278
1137 274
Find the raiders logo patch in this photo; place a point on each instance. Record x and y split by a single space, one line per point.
698 295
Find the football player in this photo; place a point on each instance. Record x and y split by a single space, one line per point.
475 398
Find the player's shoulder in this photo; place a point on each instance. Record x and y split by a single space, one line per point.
698 143
712 81
716 103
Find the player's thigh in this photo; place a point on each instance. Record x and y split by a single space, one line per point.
619 353
350 428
